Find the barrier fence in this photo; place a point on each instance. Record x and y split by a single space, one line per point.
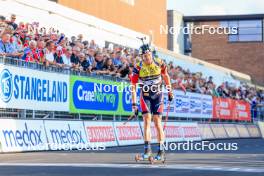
39 135
32 90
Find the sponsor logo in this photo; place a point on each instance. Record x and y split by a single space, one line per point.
6 88
68 136
22 138
22 87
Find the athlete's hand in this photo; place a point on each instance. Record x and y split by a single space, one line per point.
135 109
170 96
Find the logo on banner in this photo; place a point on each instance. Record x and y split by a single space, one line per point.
6 87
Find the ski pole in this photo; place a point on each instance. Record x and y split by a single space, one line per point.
166 118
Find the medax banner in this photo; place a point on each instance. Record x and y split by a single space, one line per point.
30 89
22 135
65 135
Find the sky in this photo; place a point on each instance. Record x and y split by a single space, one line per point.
216 7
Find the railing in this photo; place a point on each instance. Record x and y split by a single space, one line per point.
36 66
257 114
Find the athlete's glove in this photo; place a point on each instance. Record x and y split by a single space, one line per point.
135 108
170 96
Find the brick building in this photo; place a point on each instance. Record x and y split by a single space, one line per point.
242 50
142 16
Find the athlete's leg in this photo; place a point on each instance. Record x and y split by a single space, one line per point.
145 107
147 125
157 108
160 133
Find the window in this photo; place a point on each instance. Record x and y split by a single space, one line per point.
248 30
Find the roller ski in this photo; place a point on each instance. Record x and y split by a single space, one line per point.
160 157
145 157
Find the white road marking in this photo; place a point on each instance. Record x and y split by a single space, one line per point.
144 166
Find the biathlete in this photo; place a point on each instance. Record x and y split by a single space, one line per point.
148 74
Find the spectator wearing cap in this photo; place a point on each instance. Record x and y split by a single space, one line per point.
49 53
6 48
12 21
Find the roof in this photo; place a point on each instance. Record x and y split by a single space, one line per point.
222 17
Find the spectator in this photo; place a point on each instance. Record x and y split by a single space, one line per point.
67 58
84 65
75 57
90 57
117 59
58 57
109 67
6 48
99 62
40 51
49 53
30 54
12 22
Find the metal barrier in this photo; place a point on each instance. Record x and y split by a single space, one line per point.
257 114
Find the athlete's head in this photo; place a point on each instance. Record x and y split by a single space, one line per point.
146 54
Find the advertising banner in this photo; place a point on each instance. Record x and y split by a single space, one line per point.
222 108
100 133
65 135
191 131
31 89
128 134
230 109
22 135
95 96
242 110
173 132
191 105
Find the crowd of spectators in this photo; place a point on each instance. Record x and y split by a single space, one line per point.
51 48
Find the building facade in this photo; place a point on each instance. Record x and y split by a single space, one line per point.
235 42
143 16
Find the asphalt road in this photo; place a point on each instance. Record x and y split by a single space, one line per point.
248 159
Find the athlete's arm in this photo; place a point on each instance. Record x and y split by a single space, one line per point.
166 78
134 80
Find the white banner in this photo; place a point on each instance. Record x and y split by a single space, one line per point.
100 133
22 135
24 88
189 105
173 132
191 131
176 131
65 135
128 134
